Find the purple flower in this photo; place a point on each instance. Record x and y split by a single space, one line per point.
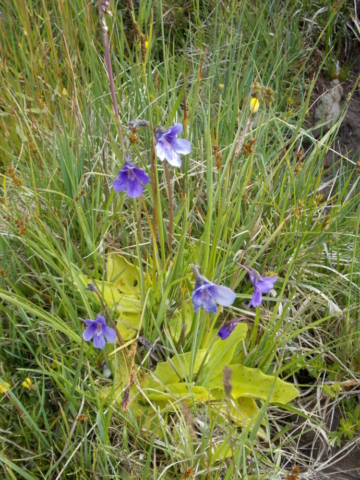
168 147
261 285
226 330
207 294
131 180
148 346
98 329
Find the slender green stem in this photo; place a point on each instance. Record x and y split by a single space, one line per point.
171 219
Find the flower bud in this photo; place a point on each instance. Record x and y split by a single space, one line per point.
254 105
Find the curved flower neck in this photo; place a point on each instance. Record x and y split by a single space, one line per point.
159 131
254 275
128 161
199 279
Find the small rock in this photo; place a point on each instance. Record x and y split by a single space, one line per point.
329 108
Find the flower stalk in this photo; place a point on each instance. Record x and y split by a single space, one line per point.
171 207
105 38
254 107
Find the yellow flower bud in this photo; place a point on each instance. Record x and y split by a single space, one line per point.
254 105
221 86
4 389
27 383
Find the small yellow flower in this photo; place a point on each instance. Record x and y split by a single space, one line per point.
4 389
254 105
64 92
221 86
146 44
27 383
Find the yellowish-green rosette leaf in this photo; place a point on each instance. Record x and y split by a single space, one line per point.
123 274
252 382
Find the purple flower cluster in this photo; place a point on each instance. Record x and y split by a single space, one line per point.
206 294
209 295
168 147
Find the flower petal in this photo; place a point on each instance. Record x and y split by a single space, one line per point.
134 189
90 322
265 284
141 176
197 299
120 184
160 150
89 332
256 298
99 341
174 130
164 151
180 145
101 319
223 295
109 334
210 304
172 157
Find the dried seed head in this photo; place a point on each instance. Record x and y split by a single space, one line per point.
189 473
17 182
132 350
298 167
358 167
248 149
156 80
133 376
133 138
126 399
227 380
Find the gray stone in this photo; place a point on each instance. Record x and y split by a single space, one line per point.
328 108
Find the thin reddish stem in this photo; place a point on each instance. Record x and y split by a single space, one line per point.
111 78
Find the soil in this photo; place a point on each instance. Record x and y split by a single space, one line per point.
333 463
347 142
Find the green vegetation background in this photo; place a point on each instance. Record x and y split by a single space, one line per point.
59 216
